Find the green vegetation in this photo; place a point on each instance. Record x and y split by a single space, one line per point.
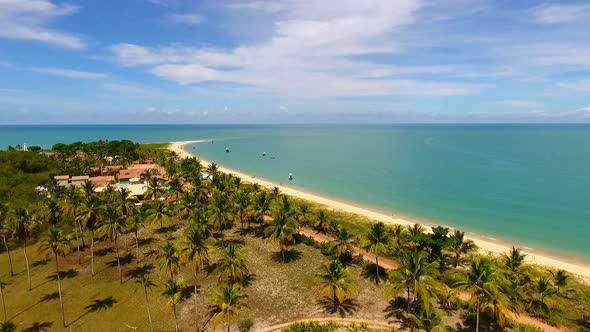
227 254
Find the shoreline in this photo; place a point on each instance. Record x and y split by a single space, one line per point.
485 245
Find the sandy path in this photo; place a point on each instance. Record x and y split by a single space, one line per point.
580 269
345 321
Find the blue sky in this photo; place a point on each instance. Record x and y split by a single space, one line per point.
294 61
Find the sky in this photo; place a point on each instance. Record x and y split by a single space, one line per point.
294 61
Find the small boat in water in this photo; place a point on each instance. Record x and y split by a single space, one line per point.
263 154
226 150
290 176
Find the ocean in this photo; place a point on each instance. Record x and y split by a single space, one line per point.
524 184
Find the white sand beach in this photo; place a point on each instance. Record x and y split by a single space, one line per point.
484 245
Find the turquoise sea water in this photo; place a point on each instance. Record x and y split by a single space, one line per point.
528 184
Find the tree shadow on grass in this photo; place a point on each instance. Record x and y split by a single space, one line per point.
145 242
69 274
39 263
104 251
137 271
125 260
347 307
254 230
188 291
39 327
149 253
44 298
290 255
96 305
370 272
395 309
167 229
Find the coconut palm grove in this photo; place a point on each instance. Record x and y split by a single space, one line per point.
201 250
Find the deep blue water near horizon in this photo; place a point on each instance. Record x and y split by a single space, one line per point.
527 184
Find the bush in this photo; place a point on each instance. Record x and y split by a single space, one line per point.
245 325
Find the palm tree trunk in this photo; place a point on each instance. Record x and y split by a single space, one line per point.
9 258
148 309
477 316
61 303
136 245
92 251
77 241
118 262
28 268
81 234
457 260
377 267
196 310
409 300
175 318
3 303
126 245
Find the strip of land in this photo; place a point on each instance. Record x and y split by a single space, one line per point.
484 245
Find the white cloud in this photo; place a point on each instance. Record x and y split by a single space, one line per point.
559 13
164 3
580 85
517 103
187 19
29 20
315 50
69 73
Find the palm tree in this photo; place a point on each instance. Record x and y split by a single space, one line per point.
196 250
158 212
70 205
482 279
112 225
173 291
334 282
125 202
188 205
22 225
2 299
282 229
375 241
416 276
242 202
144 280
341 243
303 214
169 262
231 267
154 189
459 246
428 319
275 193
322 222
90 216
4 231
52 212
560 279
220 210
88 188
56 243
134 224
260 206
7 326
544 289
225 305
514 260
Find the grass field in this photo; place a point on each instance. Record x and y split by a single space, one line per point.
278 292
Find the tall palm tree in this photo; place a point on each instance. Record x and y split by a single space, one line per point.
2 299
144 280
482 279
125 202
90 216
22 225
514 259
219 210
231 266
188 205
52 212
134 224
169 262
375 241
260 206
416 276
428 319
154 189
543 289
226 304
242 202
303 214
335 282
70 206
5 231
158 212
56 243
560 279
275 193
196 250
459 246
173 292
341 243
112 225
282 229
88 188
